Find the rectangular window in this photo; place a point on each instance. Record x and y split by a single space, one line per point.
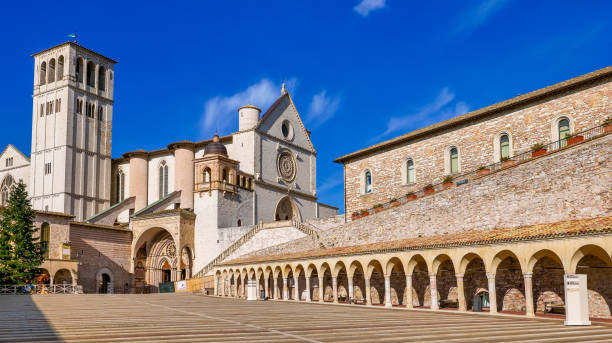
42 110
47 168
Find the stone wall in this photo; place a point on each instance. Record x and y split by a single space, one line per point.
266 238
100 250
570 184
477 143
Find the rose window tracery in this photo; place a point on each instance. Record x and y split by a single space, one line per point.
286 166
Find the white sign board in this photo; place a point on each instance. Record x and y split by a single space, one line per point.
252 290
181 285
576 299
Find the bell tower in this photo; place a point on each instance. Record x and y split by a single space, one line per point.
71 130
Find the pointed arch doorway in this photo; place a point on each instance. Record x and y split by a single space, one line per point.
286 209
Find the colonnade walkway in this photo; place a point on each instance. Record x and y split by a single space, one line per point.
192 318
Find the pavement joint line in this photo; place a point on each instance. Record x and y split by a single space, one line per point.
233 322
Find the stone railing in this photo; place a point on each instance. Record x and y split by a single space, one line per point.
306 229
41 289
461 179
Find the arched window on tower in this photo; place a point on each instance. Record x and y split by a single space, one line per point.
368 181
410 171
60 68
454 160
564 131
44 239
43 73
163 179
5 189
51 74
120 186
101 78
91 74
206 175
79 70
224 176
504 147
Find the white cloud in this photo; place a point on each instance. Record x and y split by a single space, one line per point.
439 109
330 182
220 112
366 6
477 15
322 108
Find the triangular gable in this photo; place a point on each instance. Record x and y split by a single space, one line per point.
12 150
270 124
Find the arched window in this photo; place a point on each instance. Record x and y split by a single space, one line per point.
5 189
504 147
51 77
368 181
564 131
91 74
44 239
454 160
120 186
224 176
79 70
409 171
43 73
101 78
60 68
163 179
206 175
239 222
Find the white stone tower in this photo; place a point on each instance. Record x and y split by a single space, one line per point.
71 130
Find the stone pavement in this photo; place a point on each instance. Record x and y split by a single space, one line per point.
191 318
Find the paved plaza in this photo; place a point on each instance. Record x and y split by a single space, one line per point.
192 318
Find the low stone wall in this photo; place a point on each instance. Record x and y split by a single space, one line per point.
570 184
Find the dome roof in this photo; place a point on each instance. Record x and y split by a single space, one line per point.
215 147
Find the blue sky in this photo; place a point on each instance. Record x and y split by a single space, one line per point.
359 71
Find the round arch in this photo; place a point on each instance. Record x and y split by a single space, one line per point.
105 281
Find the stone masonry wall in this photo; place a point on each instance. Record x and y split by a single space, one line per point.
570 184
100 248
586 107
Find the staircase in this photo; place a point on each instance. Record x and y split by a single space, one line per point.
306 229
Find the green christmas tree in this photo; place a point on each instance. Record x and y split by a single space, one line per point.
20 253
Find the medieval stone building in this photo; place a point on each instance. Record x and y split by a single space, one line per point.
494 206
152 216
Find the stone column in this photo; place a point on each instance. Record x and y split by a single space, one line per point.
275 292
367 292
460 293
321 290
308 289
266 288
285 290
492 294
296 289
335 288
244 288
216 286
528 295
409 291
388 291
351 291
434 292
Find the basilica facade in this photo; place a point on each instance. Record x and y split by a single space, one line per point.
181 205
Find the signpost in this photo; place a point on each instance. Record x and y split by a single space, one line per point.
576 299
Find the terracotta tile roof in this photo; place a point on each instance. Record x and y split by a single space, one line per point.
602 225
